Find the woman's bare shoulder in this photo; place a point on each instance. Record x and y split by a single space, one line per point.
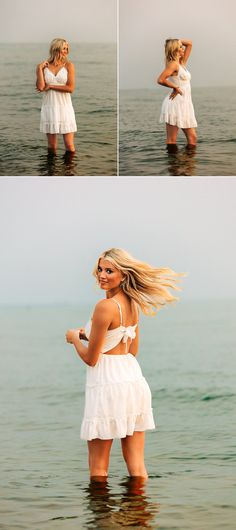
104 307
173 65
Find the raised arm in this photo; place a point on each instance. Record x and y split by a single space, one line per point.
101 321
69 86
188 48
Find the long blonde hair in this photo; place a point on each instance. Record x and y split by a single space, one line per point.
146 285
171 49
55 49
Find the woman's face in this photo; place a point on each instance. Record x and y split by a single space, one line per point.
65 50
108 276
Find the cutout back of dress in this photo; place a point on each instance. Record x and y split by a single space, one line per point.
114 336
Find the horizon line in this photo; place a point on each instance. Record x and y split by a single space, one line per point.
71 41
28 305
193 86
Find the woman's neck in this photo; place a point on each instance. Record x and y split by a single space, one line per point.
58 62
113 292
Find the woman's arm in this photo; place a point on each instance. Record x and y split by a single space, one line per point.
69 86
40 81
169 71
102 317
188 48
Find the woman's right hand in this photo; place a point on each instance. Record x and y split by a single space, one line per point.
43 65
176 91
82 334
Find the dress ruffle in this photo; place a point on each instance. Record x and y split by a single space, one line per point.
110 428
178 112
117 400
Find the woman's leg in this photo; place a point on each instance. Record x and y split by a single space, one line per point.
171 133
133 453
191 136
69 141
52 142
99 453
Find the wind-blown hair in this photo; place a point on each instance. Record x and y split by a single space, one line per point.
55 49
171 49
146 285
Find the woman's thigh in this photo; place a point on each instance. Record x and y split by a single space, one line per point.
52 140
99 453
171 133
191 135
134 444
69 141
133 453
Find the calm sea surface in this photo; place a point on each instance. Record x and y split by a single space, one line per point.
142 137
23 148
187 354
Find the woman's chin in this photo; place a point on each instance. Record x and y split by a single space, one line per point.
103 286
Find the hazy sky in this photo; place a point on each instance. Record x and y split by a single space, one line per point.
40 21
145 24
52 231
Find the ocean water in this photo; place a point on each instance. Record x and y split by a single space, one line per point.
187 354
142 138
23 148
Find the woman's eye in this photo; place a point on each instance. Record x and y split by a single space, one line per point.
99 269
109 271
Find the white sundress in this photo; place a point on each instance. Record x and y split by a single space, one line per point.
117 396
57 113
179 111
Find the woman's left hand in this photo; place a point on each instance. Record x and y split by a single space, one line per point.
45 89
176 91
72 335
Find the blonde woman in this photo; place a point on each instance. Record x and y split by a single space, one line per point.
118 398
177 108
56 79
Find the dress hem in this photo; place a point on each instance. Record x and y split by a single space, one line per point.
178 124
49 131
121 427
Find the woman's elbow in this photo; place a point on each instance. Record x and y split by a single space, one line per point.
160 80
92 362
40 87
70 88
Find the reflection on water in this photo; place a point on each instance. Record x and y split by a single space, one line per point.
129 508
181 162
51 164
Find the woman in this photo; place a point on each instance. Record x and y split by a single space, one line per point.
177 108
118 398
56 79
